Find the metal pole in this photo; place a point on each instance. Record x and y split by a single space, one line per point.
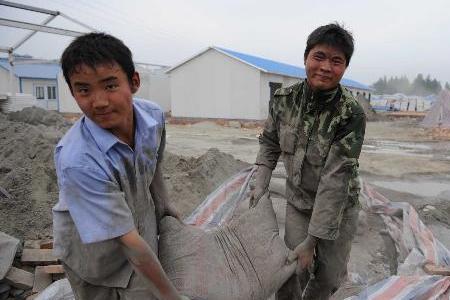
36 27
11 73
28 36
77 22
28 7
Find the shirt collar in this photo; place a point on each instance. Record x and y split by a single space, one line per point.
318 100
104 138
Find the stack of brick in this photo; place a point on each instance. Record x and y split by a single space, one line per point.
32 271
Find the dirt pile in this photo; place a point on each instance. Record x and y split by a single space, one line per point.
28 184
39 116
190 180
27 173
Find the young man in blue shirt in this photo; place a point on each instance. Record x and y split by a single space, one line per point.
112 192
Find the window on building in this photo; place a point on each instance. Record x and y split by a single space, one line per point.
40 92
51 92
273 87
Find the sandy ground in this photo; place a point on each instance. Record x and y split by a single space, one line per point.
399 158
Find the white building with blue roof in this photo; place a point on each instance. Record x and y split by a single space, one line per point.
37 79
221 83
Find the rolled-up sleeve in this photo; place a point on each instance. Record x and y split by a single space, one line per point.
269 145
96 204
336 186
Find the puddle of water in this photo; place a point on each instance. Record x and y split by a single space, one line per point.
398 148
423 188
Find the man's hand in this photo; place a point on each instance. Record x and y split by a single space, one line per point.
255 195
304 252
262 178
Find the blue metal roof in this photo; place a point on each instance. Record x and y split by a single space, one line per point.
271 66
33 70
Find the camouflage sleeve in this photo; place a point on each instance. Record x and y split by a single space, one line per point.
338 184
269 145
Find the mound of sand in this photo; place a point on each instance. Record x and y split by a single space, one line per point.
27 173
190 180
37 116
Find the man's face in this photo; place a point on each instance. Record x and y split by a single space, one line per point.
325 66
105 95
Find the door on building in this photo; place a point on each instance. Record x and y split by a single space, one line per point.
46 96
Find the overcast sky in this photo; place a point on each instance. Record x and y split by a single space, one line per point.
392 37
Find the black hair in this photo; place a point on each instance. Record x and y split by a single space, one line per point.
333 35
94 49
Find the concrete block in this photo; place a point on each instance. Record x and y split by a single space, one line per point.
19 278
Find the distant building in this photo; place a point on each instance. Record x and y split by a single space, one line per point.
45 82
221 83
38 79
401 102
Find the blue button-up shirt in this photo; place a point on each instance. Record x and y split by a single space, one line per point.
104 193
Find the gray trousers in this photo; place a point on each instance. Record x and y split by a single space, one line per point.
137 289
330 263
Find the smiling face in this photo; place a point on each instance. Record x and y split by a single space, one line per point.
325 66
105 95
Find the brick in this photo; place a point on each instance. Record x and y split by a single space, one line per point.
432 269
53 269
38 244
19 278
47 244
41 279
38 257
32 244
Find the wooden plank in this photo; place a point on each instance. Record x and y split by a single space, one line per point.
19 278
38 257
41 279
53 269
432 269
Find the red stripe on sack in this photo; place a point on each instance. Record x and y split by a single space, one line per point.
440 288
395 289
216 202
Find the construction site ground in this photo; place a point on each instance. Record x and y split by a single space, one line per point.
401 159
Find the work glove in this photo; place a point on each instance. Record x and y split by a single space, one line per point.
262 179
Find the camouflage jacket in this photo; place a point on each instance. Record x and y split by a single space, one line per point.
320 139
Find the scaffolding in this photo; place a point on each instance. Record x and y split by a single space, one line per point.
43 27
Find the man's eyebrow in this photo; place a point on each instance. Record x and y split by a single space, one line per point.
78 83
110 78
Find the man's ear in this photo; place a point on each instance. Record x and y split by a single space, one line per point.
135 82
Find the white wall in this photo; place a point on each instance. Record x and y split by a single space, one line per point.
4 82
214 85
67 103
28 87
266 78
155 86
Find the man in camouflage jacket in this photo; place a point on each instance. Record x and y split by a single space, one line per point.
317 127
